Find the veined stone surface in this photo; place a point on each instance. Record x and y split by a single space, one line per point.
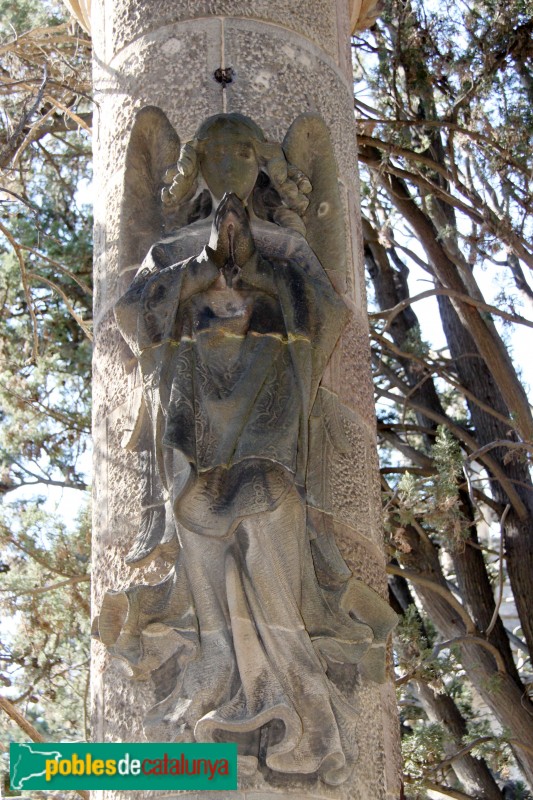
285 62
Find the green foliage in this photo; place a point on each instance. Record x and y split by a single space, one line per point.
423 748
434 500
45 276
414 343
446 513
444 94
23 16
45 358
414 651
44 399
45 592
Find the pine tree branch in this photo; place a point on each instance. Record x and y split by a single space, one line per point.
415 577
447 272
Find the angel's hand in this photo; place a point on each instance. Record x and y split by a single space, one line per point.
296 188
300 179
180 179
198 275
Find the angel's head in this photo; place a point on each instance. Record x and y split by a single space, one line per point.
227 146
229 153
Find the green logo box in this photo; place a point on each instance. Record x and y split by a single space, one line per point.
123 766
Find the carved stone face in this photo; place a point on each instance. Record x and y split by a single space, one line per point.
229 163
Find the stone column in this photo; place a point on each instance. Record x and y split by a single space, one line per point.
285 58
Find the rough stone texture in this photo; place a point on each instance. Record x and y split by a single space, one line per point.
358 287
347 476
118 703
391 739
354 387
130 20
366 563
287 59
356 15
371 780
375 491
109 372
125 722
364 557
289 67
131 81
188 93
308 794
344 45
106 224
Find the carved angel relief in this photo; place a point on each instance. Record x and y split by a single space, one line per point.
231 320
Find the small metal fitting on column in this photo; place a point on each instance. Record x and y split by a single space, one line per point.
224 75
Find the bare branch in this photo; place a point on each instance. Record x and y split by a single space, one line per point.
81 322
500 664
415 577
13 142
494 619
53 586
390 313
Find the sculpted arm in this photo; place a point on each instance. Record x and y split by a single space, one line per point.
145 314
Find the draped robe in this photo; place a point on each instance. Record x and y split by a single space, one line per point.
240 635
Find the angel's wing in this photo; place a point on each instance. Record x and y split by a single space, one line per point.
153 148
308 147
156 535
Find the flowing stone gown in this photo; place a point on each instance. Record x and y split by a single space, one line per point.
239 636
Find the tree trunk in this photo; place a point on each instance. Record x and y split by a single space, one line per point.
485 667
476 590
271 61
473 773
518 533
